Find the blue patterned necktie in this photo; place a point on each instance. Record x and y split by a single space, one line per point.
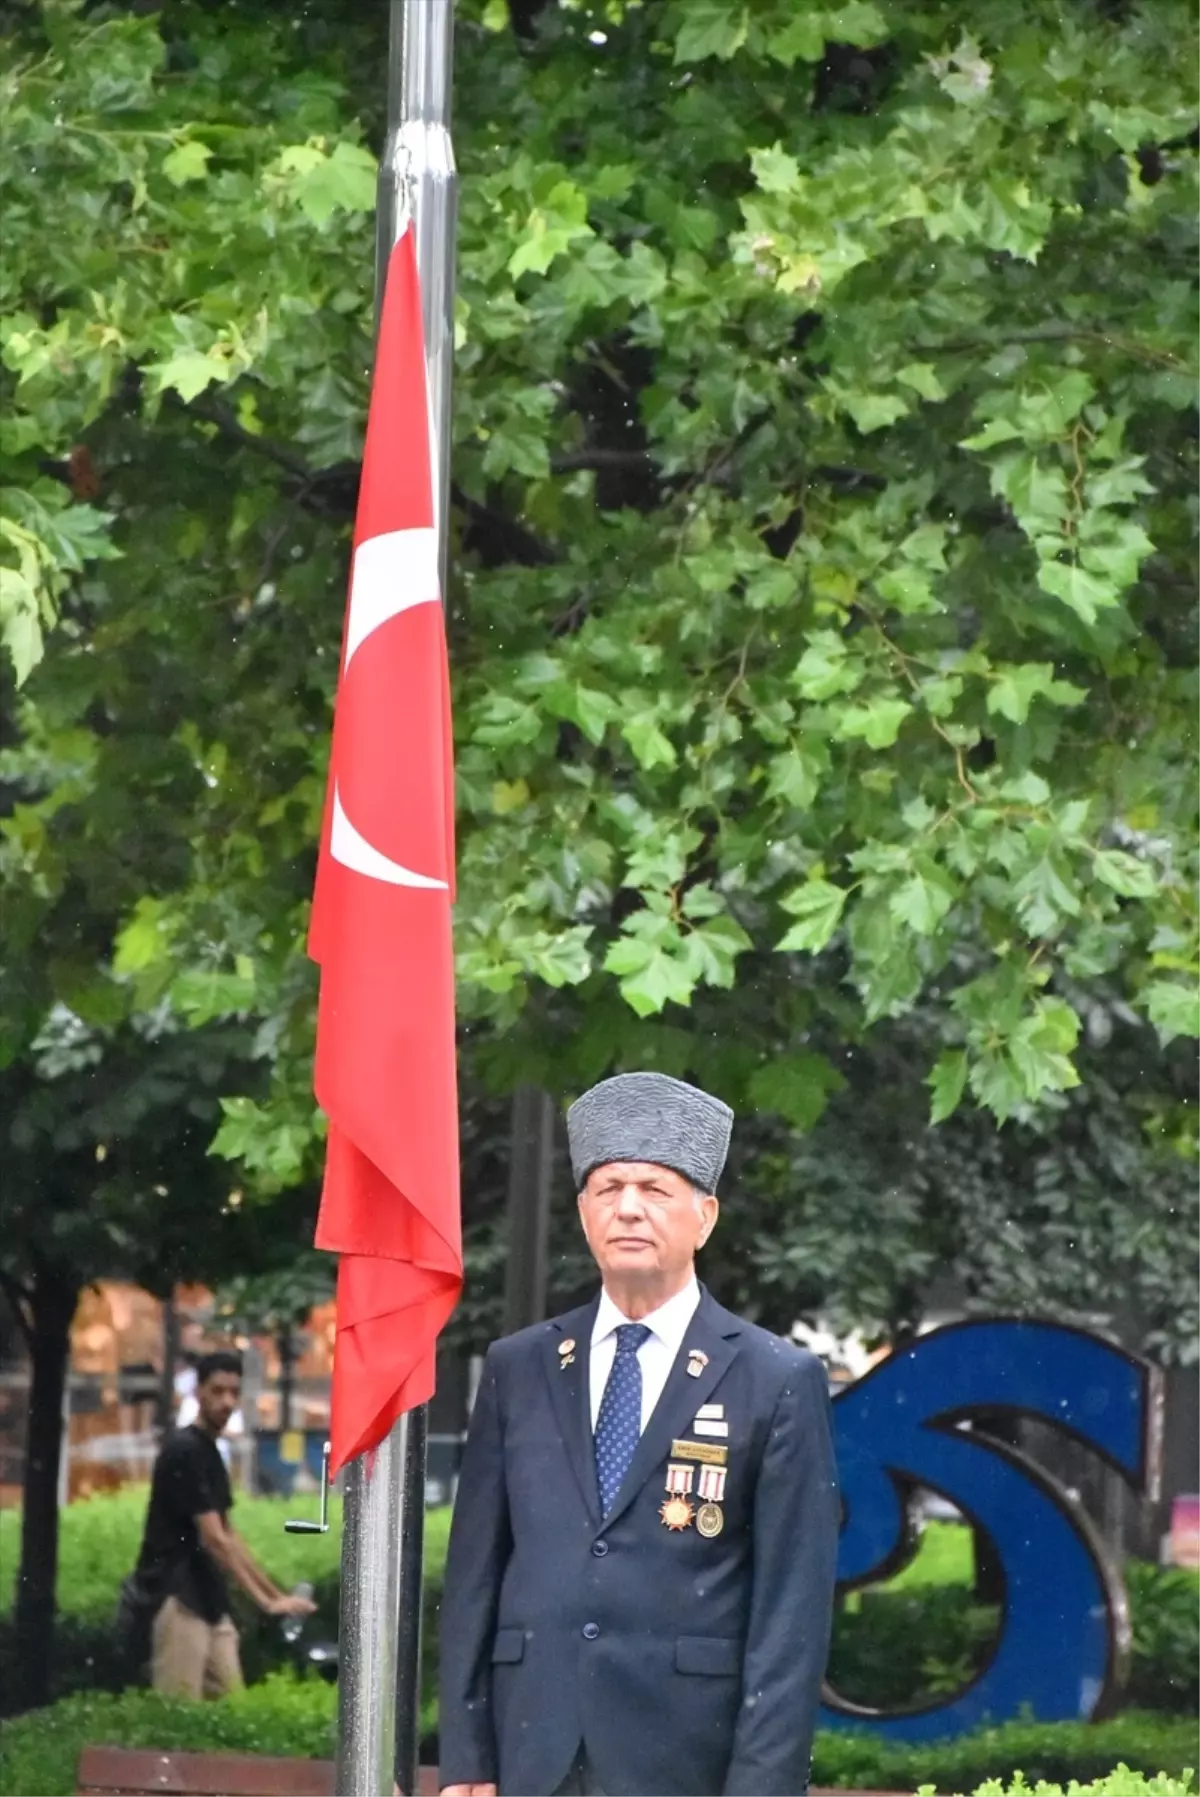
619 1424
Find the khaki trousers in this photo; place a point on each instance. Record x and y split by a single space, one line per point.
191 1657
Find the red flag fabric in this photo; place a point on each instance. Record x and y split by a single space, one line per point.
380 930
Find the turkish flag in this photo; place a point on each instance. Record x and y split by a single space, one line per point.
380 929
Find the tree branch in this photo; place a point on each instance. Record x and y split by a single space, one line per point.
1051 333
216 411
570 460
516 543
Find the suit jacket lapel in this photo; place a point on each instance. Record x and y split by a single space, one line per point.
570 1394
715 1332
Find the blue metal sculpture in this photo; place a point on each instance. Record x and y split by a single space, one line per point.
1064 1635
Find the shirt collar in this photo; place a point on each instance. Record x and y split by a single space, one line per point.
669 1322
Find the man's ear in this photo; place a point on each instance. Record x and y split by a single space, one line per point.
710 1210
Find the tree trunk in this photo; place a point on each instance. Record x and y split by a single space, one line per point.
285 1343
166 1388
51 1307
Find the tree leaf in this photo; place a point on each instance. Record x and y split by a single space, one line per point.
921 903
774 170
1083 592
818 906
795 777
20 622
344 181
1125 873
947 1083
710 28
801 39
797 1086
1172 1008
1015 688
878 722
874 411
651 748
1046 896
186 162
923 379
189 373
825 667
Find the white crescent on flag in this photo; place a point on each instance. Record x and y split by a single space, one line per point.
351 848
391 573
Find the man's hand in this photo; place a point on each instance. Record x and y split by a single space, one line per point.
468 1791
291 1605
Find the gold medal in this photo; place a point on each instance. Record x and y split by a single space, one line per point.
710 1520
676 1513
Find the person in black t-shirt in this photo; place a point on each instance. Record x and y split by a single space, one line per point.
189 1548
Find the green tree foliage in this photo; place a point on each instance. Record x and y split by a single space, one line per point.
822 603
873 657
824 472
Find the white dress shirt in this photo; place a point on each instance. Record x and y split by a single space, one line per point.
667 1326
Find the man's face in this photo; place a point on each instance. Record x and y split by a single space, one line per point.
644 1221
218 1399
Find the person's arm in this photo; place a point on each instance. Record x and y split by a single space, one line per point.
254 1568
230 1553
796 1522
480 1544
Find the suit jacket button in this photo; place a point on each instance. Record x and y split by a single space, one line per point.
599 1548
590 1630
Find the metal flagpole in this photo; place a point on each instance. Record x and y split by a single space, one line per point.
384 1514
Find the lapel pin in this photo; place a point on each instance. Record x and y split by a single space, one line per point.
697 1361
567 1347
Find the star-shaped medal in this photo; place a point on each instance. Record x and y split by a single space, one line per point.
676 1513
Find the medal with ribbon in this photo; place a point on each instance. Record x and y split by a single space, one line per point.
710 1518
676 1511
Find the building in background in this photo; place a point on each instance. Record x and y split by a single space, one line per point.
121 1392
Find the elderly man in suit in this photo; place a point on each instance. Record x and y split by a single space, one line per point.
640 1576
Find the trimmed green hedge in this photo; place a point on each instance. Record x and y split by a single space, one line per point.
40 1750
893 1645
291 1716
1054 1751
99 1539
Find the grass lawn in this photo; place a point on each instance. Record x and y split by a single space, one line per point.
945 1556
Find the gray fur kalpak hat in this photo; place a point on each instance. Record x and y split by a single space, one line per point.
650 1117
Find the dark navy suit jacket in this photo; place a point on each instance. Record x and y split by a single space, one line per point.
682 1664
